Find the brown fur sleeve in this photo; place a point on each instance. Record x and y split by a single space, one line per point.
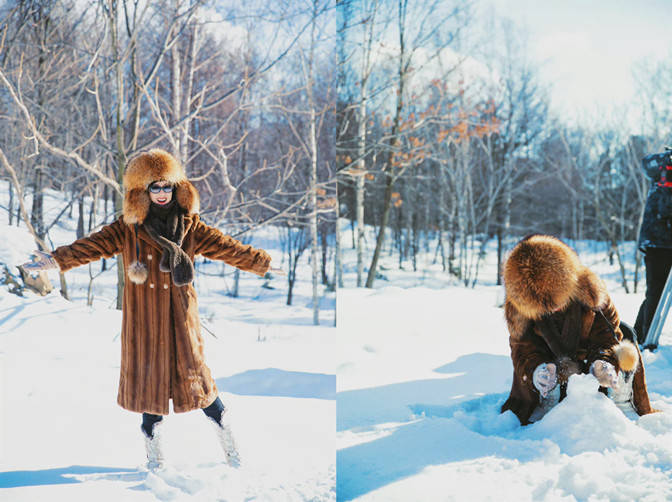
213 244
528 350
515 321
105 243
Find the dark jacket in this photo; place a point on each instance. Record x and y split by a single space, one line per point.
656 229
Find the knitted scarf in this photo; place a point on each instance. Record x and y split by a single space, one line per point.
165 224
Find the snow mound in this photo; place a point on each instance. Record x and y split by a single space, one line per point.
587 420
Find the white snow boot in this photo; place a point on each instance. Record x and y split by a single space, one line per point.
217 414
228 444
153 449
223 431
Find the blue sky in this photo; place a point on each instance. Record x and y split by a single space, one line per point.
587 48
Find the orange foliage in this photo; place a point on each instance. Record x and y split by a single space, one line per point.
329 203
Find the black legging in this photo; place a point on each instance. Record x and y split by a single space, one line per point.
214 411
658 262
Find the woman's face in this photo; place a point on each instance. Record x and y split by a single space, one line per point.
162 197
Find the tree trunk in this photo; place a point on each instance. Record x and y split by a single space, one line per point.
80 217
359 190
361 141
415 240
191 69
338 270
325 250
621 267
93 211
314 246
360 225
176 94
120 154
106 197
10 208
638 264
504 228
394 142
380 239
295 248
37 212
236 283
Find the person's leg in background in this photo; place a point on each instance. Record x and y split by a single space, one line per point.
658 262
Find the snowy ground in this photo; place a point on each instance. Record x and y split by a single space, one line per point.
423 371
63 437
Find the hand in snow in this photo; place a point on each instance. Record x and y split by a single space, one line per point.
41 261
545 378
605 373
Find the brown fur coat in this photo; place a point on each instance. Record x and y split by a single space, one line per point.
544 281
161 346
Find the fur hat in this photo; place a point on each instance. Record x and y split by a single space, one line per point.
541 274
147 168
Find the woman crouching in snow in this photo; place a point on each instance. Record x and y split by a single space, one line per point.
561 322
159 234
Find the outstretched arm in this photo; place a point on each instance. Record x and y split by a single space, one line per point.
105 243
212 243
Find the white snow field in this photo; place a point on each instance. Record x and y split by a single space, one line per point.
63 437
423 372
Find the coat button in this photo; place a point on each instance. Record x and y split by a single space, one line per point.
165 286
149 256
151 285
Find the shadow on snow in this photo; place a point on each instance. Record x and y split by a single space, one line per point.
456 418
280 383
64 475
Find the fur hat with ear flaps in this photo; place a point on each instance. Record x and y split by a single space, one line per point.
146 168
541 275
141 171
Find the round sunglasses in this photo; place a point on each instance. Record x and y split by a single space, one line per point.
157 189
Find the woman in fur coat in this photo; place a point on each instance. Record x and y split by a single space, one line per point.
159 234
561 322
